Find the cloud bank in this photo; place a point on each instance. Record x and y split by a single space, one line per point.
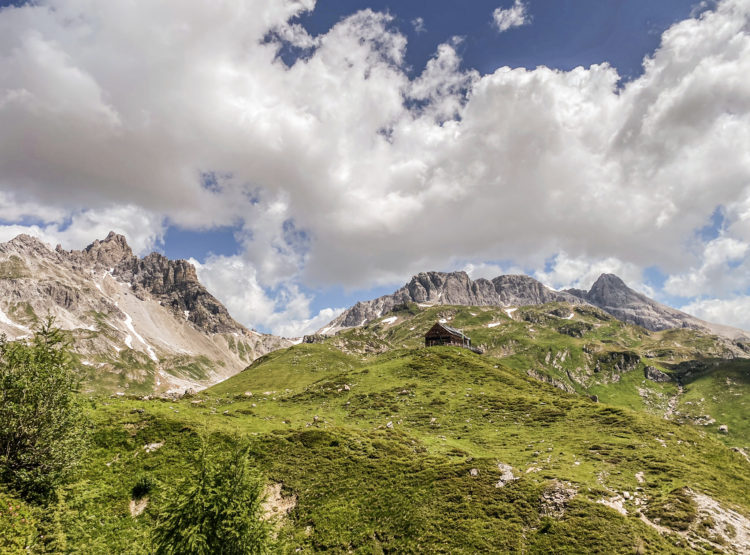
342 170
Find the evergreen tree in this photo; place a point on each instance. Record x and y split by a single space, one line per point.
41 420
215 510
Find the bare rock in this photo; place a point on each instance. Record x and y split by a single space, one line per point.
555 498
655 375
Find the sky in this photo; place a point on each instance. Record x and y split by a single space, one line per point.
306 155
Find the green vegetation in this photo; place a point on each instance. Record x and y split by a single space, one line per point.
376 444
41 432
14 268
216 509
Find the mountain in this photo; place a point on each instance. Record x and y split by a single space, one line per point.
609 293
138 324
454 288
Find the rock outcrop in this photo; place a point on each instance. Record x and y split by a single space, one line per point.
177 334
454 288
609 293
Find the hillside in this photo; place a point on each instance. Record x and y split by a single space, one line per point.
683 374
429 450
138 325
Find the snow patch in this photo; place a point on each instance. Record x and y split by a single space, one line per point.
570 316
443 321
425 305
510 311
187 314
129 340
389 320
296 340
493 324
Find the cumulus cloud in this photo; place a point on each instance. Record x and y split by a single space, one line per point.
515 16
566 272
341 169
732 311
285 313
418 24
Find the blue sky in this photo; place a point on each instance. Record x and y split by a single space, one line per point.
306 155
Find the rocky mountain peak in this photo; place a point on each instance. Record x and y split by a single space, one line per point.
26 244
110 252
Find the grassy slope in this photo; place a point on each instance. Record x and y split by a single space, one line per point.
363 486
318 419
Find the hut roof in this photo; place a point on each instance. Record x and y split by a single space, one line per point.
452 331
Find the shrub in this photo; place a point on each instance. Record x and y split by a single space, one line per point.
216 509
144 485
41 423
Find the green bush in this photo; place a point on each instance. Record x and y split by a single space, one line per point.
217 509
41 419
144 485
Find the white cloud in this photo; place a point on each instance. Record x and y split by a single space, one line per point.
581 273
284 312
342 169
418 24
732 311
723 270
142 228
515 16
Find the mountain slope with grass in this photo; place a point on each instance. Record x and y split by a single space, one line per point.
138 325
369 442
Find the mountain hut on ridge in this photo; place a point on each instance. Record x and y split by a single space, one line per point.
440 334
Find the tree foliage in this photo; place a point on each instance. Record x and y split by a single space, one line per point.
216 510
41 421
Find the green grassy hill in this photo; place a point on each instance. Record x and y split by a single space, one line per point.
377 444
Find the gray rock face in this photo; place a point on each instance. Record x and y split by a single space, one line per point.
611 294
174 283
111 300
454 288
655 375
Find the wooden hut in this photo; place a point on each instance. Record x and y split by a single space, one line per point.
440 334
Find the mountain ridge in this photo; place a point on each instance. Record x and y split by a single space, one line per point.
608 293
145 323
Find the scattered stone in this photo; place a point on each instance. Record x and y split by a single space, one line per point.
389 425
189 392
506 475
639 477
137 411
474 472
594 398
723 429
151 447
554 499
346 387
276 506
626 494
248 393
137 507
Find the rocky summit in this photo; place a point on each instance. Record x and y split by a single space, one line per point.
137 324
608 293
